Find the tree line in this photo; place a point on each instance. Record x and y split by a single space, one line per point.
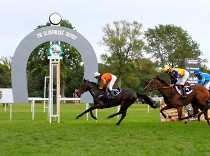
133 55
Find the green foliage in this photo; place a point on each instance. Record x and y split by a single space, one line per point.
124 46
5 74
139 73
74 81
170 45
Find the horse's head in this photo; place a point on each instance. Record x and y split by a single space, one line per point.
151 85
154 84
83 87
86 86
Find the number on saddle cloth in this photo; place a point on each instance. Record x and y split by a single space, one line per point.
115 92
187 89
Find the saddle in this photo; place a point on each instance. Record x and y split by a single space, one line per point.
114 93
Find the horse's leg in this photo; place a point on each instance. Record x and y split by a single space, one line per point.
206 115
122 117
113 115
203 110
193 114
195 110
123 111
179 110
199 114
91 114
164 108
86 111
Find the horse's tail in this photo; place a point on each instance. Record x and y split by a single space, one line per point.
147 100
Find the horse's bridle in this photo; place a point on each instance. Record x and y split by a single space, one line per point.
81 88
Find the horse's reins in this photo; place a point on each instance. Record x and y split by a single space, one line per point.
164 87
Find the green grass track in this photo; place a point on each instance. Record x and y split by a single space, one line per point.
140 134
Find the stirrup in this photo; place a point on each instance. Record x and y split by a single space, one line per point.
110 96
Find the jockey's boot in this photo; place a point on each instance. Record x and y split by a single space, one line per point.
110 96
183 92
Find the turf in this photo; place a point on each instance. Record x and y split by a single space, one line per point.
140 134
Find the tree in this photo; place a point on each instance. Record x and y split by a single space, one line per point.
124 46
5 72
143 70
169 44
38 66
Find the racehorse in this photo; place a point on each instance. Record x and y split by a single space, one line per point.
125 99
198 98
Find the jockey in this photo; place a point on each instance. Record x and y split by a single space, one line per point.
203 78
108 81
178 76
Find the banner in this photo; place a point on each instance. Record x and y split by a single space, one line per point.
192 64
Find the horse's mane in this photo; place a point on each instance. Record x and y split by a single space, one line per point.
93 83
162 81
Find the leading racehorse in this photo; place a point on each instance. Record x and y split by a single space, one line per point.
125 99
198 98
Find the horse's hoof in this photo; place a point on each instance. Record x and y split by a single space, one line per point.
77 117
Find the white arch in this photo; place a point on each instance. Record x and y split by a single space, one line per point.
42 35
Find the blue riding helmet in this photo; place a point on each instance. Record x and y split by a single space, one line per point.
197 71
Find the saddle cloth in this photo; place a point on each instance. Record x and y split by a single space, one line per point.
115 92
187 89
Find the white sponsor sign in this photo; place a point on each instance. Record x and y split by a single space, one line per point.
6 95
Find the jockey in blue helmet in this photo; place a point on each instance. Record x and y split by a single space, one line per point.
203 78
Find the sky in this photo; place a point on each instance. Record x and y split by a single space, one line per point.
21 17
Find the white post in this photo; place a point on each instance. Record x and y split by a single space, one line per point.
118 109
58 91
10 112
87 106
96 114
33 106
50 100
54 90
45 90
5 107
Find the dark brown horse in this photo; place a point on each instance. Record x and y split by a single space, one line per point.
198 98
125 99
